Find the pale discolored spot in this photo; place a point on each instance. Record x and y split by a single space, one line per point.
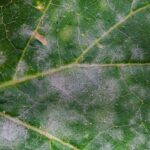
2 58
11 134
66 33
22 68
137 53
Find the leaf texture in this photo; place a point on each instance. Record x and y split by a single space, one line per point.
74 75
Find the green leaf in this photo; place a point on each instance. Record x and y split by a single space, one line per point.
74 74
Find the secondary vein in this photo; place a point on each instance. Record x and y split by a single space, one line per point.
30 39
37 130
95 42
62 68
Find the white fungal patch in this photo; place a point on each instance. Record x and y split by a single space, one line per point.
58 120
22 68
138 139
25 30
11 134
107 146
117 54
148 17
137 53
116 134
69 5
2 58
120 17
59 83
134 4
104 119
45 146
110 5
139 91
72 84
110 89
40 57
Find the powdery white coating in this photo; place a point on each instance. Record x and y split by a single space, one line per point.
116 134
69 5
40 57
11 134
22 68
99 142
72 84
25 30
107 146
110 5
59 83
2 58
45 146
138 140
120 17
111 89
134 4
148 17
139 91
137 53
58 120
117 54
104 119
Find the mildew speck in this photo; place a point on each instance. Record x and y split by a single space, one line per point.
22 68
25 30
11 134
57 119
116 134
137 53
138 140
2 58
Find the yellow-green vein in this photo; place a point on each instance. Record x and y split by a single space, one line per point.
37 130
30 39
95 42
62 68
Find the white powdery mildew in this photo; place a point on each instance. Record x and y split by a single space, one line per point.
110 89
22 68
58 120
69 5
40 57
2 58
116 134
120 17
45 146
137 53
107 146
138 140
148 17
74 83
11 134
139 91
110 5
117 54
92 74
104 119
59 83
25 30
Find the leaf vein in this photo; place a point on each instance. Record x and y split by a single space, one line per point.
37 130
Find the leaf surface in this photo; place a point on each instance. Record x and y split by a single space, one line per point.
74 74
